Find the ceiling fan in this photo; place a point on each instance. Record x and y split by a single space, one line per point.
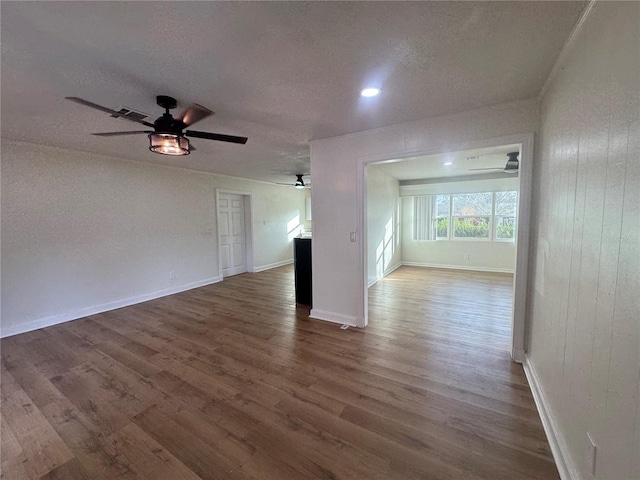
167 136
299 183
511 167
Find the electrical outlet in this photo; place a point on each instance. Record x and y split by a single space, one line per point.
466 256
352 237
592 451
172 275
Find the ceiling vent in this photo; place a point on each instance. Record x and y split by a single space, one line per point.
129 113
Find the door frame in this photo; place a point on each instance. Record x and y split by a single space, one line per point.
520 278
248 227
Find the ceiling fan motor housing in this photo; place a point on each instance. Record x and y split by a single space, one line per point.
167 124
512 163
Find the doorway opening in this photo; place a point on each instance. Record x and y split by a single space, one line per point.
440 214
235 239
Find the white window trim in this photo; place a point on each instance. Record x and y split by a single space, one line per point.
493 224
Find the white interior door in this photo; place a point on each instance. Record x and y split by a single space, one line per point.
232 234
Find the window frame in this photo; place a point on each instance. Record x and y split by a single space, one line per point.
493 220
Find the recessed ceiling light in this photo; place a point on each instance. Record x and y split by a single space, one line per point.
448 163
370 92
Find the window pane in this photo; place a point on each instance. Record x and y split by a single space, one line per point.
505 227
471 227
472 204
442 216
442 228
506 203
442 205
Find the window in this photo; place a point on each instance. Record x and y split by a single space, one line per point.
441 217
506 208
471 215
466 216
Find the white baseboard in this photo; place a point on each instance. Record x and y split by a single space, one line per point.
565 464
518 355
272 265
459 267
335 317
391 269
94 310
386 272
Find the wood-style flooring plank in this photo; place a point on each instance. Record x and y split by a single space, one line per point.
72 469
87 442
233 381
149 458
41 448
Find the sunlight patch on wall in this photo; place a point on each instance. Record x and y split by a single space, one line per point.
294 228
386 248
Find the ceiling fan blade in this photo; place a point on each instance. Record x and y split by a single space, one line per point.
194 114
117 134
485 169
87 103
287 184
216 136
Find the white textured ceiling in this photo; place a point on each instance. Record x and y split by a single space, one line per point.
454 164
280 73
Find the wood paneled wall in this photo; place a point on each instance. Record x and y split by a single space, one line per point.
584 338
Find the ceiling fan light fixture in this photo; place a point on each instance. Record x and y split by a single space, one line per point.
299 182
168 144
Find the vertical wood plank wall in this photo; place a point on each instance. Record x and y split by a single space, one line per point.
584 338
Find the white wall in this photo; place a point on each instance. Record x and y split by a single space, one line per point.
83 233
337 166
308 218
483 255
584 340
384 249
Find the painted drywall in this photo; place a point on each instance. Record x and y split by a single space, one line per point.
337 166
584 337
83 233
308 211
461 254
384 248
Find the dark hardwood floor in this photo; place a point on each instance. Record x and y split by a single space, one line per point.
232 381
